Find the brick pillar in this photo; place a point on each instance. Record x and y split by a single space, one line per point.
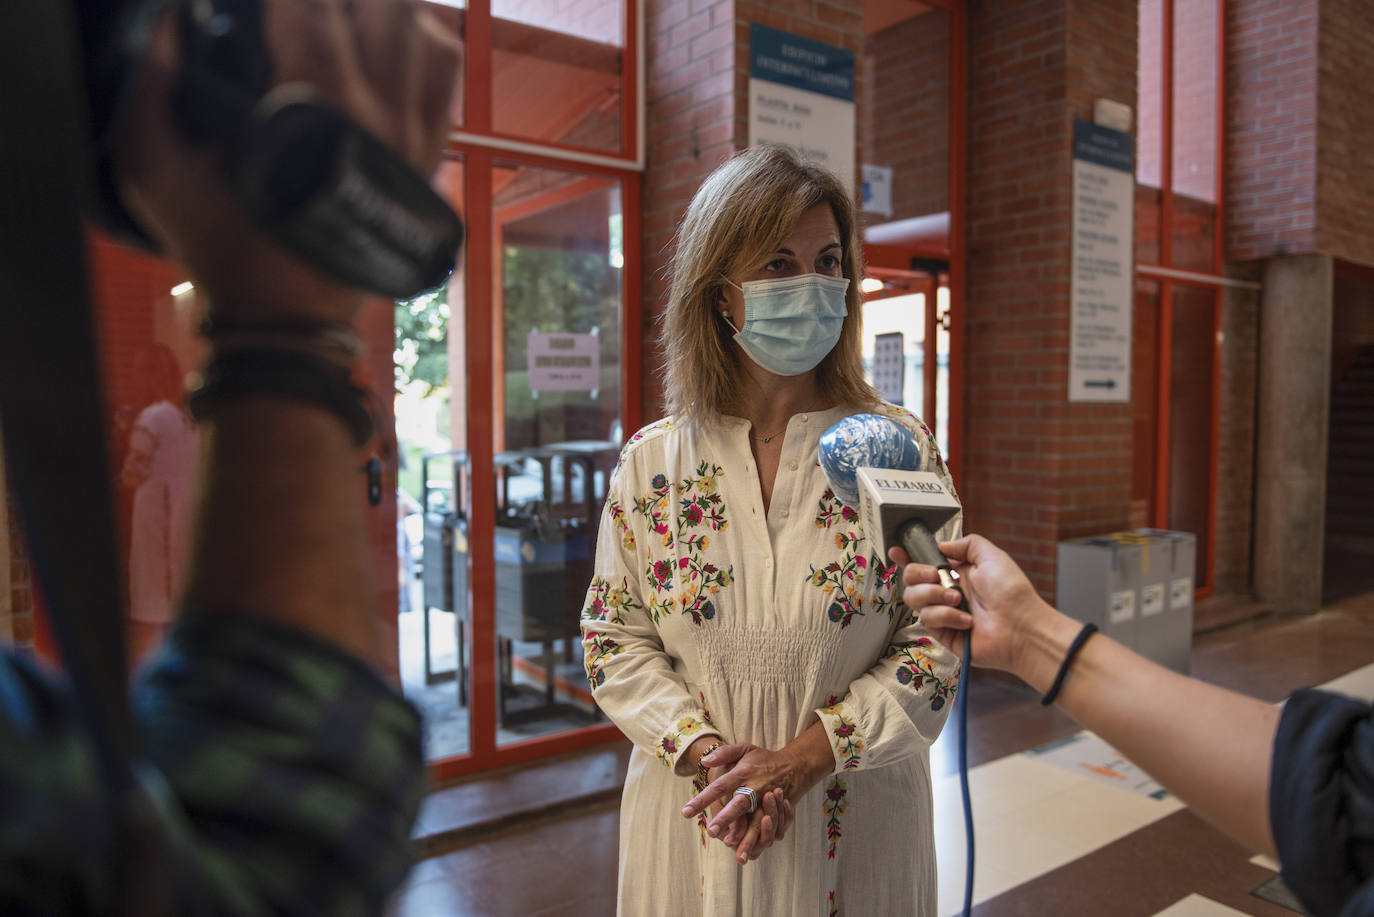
1271 127
697 115
1038 469
1345 132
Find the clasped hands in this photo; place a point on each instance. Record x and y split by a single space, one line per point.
743 764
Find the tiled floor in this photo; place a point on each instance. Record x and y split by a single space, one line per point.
1050 842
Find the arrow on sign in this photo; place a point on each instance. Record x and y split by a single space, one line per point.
1100 383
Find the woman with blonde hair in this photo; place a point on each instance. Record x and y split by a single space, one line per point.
741 627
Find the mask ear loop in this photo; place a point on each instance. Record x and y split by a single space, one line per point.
721 297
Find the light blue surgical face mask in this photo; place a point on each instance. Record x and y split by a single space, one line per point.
791 323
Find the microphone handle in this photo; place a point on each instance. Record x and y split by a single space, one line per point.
920 545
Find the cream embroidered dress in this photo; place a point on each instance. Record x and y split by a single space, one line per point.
709 616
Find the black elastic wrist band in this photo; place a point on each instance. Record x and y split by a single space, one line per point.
1088 630
325 334
291 374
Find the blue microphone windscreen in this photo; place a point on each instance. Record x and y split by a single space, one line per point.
865 441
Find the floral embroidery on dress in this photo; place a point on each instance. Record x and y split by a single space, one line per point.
834 908
886 598
848 741
840 579
916 670
617 512
834 805
700 510
686 727
699 781
605 601
832 510
654 505
597 648
705 710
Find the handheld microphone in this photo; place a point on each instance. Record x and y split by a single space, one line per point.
873 465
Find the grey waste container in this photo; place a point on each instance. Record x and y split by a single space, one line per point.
1136 587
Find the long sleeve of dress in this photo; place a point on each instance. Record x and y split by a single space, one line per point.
1321 801
897 708
632 678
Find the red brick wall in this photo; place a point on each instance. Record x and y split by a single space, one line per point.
904 116
1038 469
694 92
1345 132
1271 160
697 115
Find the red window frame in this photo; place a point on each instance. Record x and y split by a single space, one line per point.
479 147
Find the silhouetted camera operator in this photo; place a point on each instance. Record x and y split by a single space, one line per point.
273 770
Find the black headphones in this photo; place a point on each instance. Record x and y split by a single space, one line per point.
308 175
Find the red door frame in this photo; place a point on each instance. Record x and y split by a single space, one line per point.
480 368
1164 368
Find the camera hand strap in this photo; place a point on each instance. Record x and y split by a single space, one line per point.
53 413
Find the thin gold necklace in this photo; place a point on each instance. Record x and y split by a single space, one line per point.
769 438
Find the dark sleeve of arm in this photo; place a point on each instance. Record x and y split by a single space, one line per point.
1321 799
295 771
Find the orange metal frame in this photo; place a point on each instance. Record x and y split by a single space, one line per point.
1164 366
482 355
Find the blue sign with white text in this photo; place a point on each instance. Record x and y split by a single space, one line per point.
1103 146
802 63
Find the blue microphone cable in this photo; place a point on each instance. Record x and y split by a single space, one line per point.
961 701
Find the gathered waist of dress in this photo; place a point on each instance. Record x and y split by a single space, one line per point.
770 656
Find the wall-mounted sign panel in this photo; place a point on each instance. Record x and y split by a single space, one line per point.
563 362
1103 227
801 93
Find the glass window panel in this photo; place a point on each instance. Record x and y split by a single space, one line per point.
1191 419
453 14
558 429
1144 396
1195 135
894 348
942 418
1150 103
1195 99
558 71
431 502
1148 206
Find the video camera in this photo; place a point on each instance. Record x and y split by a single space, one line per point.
308 175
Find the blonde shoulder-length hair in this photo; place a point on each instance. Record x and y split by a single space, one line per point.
743 213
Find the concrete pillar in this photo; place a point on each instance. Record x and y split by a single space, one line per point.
1293 421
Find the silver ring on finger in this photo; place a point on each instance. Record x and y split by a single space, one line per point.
749 794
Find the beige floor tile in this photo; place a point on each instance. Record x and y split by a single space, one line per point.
1198 906
1358 684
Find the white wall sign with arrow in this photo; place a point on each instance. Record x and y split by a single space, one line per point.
1103 236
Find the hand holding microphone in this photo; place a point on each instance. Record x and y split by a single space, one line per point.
993 594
